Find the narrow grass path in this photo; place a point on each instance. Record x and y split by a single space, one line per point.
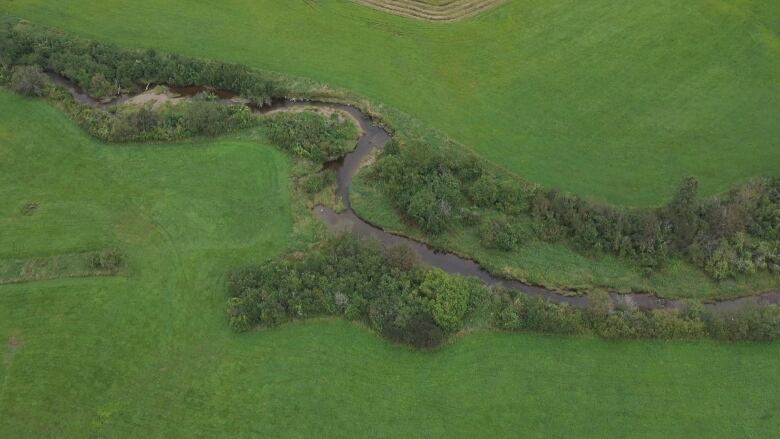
616 101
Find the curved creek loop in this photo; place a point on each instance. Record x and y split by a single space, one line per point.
374 137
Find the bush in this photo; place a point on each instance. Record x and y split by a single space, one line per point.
312 135
752 324
446 298
5 75
315 183
357 279
28 80
503 195
106 260
499 232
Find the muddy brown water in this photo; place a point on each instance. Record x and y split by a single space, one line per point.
373 137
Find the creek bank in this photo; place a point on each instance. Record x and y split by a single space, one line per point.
373 137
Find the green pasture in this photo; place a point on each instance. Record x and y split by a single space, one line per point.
148 353
616 101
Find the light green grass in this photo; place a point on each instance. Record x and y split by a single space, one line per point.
149 354
557 266
616 101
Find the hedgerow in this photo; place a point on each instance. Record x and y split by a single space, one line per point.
104 70
357 279
409 303
200 116
441 188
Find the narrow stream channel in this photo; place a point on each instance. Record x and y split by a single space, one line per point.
374 136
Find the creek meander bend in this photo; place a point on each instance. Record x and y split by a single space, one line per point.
374 136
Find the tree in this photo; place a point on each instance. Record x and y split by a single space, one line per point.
684 213
28 80
447 299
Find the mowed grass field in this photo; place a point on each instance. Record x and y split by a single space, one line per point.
615 101
149 354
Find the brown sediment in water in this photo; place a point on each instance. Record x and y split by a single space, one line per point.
374 137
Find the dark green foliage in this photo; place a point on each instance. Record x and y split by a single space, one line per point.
501 194
447 298
5 75
430 186
439 188
658 324
129 123
764 219
358 279
737 232
317 182
312 135
500 232
754 323
28 80
684 213
419 306
104 69
520 312
637 234
172 122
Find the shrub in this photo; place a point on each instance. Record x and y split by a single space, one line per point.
684 213
753 323
490 191
106 260
499 232
311 135
28 80
354 278
5 75
100 86
446 298
315 183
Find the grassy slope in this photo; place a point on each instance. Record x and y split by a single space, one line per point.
559 267
615 101
149 354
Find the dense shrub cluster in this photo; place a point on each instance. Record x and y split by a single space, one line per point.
316 182
103 69
420 306
311 135
520 312
347 276
440 188
28 80
200 116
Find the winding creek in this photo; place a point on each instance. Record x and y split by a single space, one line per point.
374 137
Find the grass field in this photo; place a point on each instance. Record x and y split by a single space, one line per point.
148 353
614 101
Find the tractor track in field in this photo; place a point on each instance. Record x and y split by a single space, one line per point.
451 10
